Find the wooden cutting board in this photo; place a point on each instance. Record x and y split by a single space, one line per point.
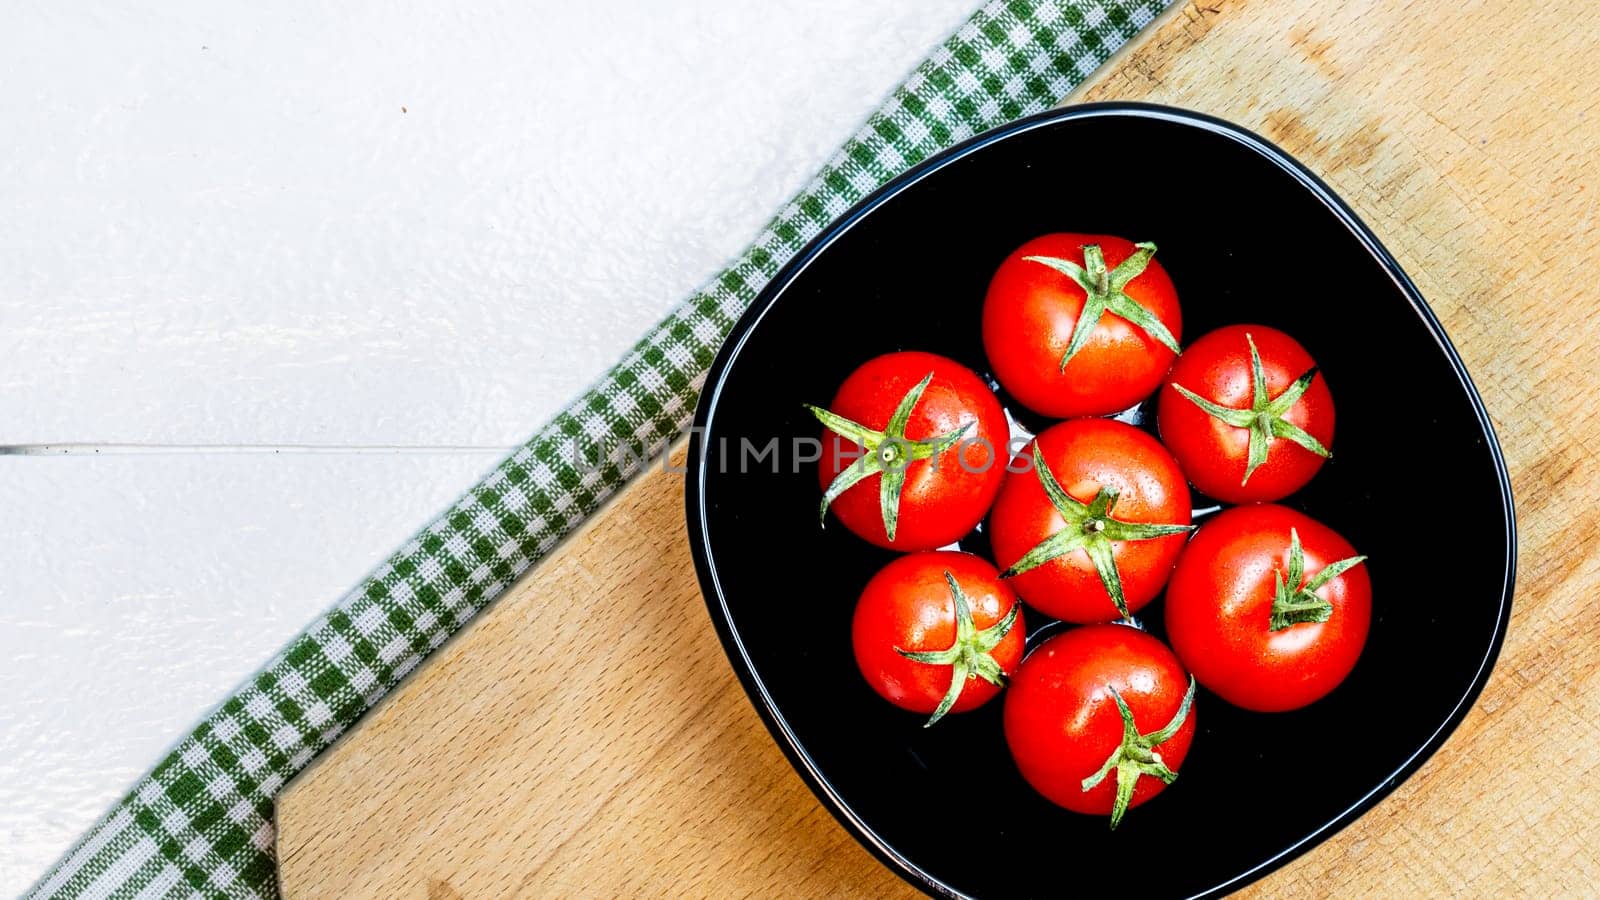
585 736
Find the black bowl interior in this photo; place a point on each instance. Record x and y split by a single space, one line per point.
1248 236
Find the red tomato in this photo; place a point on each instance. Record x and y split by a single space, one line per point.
1100 718
913 451
1269 608
937 632
1246 414
1081 324
1093 530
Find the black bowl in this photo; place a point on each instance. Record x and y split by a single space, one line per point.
1417 483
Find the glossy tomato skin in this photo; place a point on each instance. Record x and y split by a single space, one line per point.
1085 455
908 605
939 503
1028 317
1061 722
1220 602
1214 454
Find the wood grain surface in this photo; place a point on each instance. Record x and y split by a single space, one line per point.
614 752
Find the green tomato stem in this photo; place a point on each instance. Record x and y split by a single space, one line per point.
1137 755
1265 419
970 655
1089 528
887 453
1104 292
1293 602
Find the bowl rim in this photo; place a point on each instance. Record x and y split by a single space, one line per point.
695 506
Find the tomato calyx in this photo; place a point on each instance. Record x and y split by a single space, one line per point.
1089 528
887 452
1265 417
1294 605
1137 756
1103 291
970 656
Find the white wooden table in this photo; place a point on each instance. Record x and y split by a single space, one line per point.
277 282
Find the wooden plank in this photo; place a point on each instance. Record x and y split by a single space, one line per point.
1466 135
583 736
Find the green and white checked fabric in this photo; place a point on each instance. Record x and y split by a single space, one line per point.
200 823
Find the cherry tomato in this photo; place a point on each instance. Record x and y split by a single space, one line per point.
1269 608
937 632
1247 414
913 451
1100 718
1081 324
1092 531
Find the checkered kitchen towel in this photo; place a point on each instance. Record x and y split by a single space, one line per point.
201 821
